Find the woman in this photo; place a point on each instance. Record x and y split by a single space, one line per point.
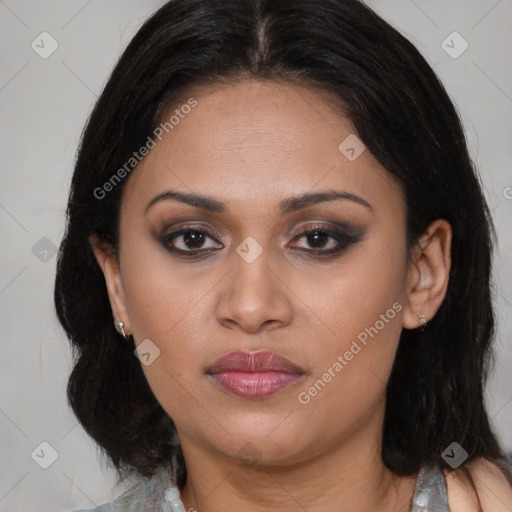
276 269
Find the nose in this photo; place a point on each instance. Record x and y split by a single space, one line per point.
253 297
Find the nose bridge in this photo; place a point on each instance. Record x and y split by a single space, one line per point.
252 294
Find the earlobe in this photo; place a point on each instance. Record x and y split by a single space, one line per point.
108 263
428 274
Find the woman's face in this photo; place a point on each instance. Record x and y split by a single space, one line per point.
242 276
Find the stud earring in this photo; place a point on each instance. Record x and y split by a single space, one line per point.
423 321
120 329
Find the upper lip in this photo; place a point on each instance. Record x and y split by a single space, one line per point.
260 361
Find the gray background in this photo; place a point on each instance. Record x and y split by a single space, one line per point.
44 104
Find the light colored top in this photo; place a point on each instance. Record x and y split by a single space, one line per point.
160 494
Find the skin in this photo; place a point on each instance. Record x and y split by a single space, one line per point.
250 146
493 489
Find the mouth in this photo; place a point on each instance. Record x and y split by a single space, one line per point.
254 375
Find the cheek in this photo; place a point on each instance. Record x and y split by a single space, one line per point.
162 302
164 305
364 286
351 372
158 291
362 307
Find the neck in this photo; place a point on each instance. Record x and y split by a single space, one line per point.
348 476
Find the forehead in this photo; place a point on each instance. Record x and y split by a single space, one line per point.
255 140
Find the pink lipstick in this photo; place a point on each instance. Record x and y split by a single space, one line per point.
254 375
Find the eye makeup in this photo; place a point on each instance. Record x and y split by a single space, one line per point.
325 239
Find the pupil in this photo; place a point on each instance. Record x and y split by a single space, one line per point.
194 238
316 237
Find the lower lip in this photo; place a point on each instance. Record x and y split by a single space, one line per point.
254 385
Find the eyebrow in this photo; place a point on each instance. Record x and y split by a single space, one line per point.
286 206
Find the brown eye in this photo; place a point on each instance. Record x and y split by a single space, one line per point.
318 239
188 240
325 240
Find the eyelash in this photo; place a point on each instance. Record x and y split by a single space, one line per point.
344 238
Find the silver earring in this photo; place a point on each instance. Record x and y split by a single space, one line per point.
120 329
423 321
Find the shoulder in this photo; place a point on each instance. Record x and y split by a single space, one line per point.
494 490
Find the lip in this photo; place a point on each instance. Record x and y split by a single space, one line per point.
254 375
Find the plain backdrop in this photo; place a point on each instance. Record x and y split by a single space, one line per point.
44 104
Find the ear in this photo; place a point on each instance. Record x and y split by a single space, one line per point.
109 265
428 273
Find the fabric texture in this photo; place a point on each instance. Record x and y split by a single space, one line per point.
156 494
430 494
160 494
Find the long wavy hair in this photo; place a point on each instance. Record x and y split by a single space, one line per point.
401 112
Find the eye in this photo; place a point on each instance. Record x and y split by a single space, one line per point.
324 240
321 240
188 240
